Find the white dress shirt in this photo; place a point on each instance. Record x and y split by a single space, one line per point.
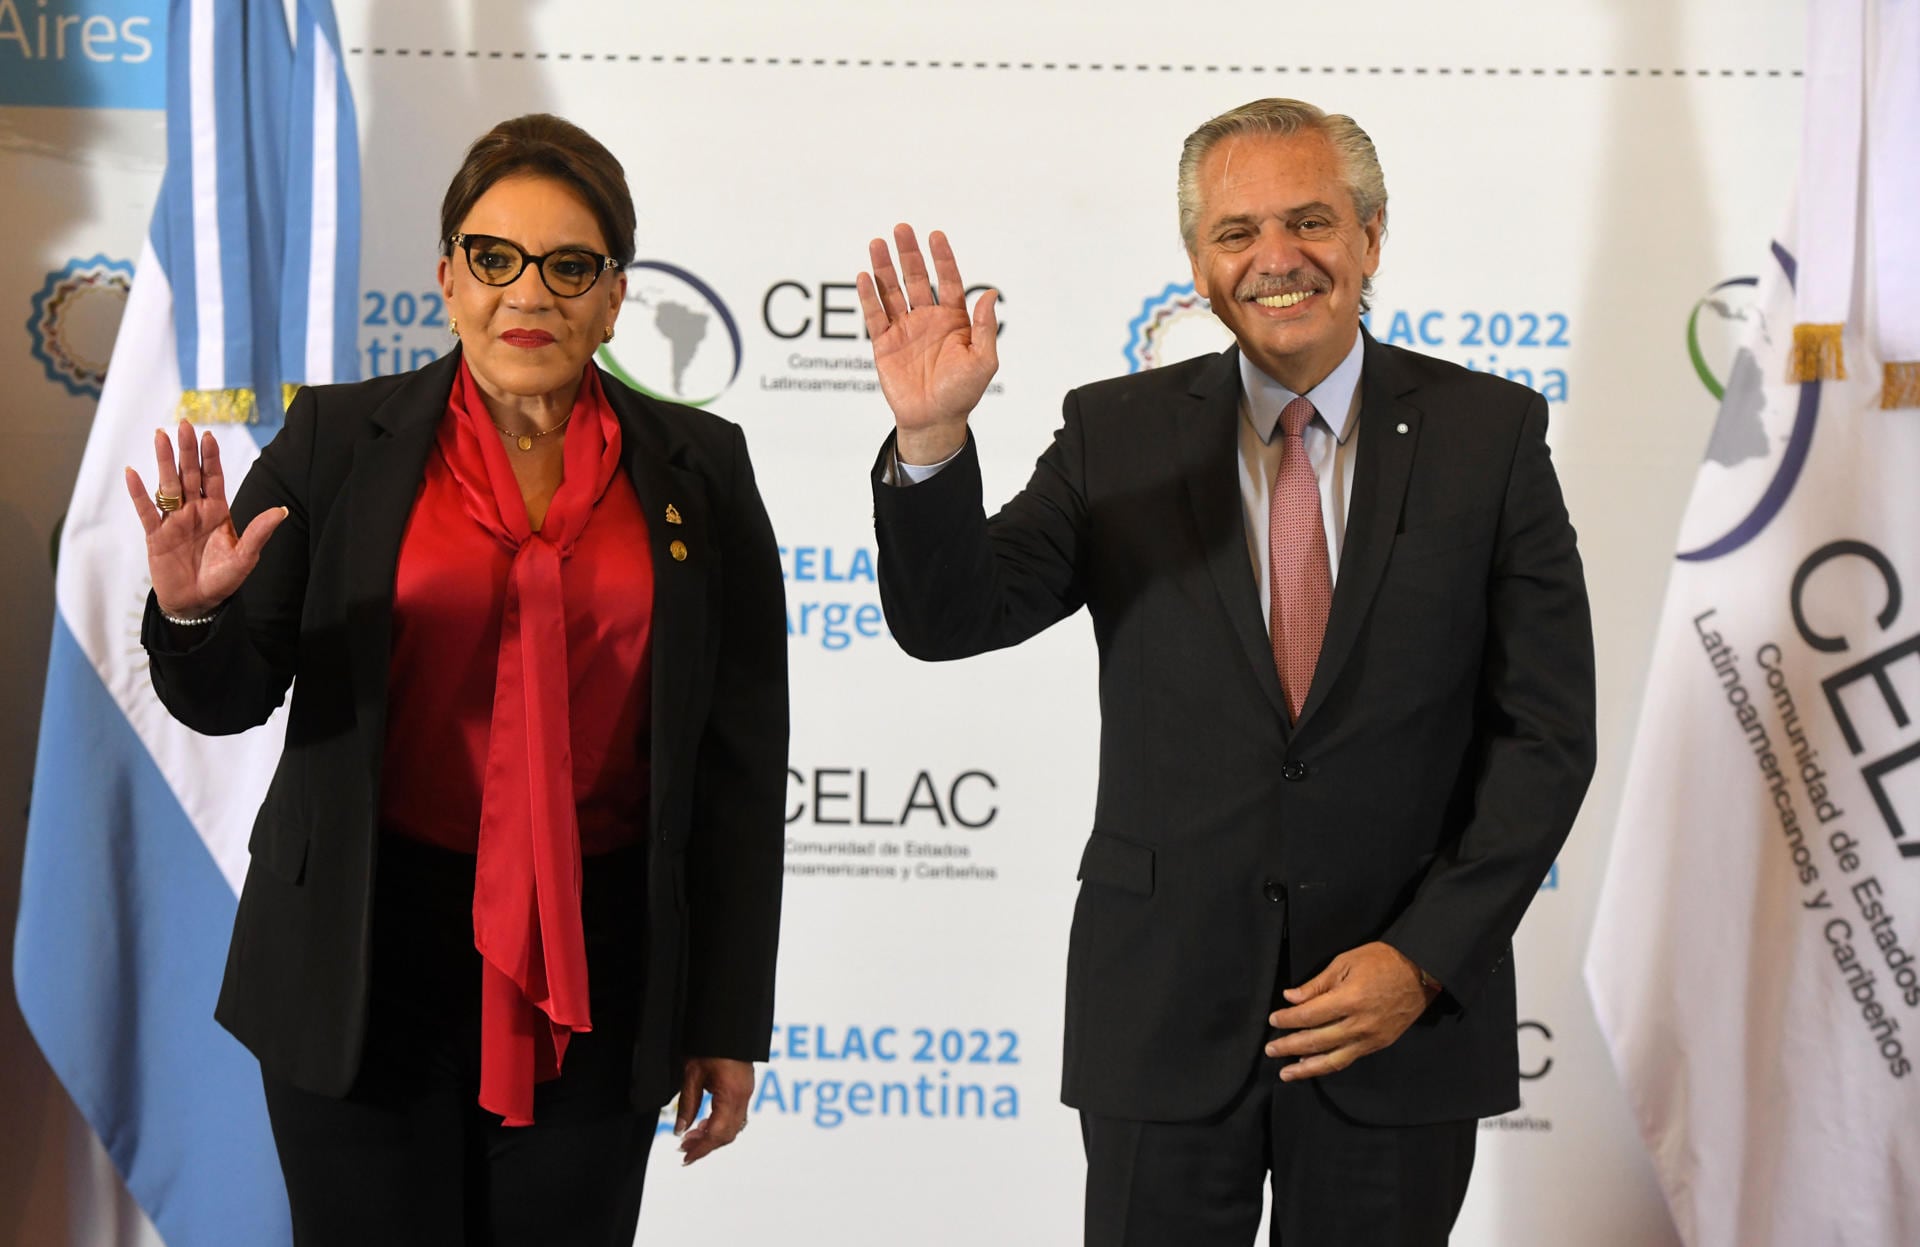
1330 438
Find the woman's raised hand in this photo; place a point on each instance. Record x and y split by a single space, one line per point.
933 360
194 556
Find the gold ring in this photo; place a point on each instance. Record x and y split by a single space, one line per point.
168 502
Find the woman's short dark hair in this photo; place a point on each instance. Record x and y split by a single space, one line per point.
543 145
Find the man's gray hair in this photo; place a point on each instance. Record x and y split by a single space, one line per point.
1360 165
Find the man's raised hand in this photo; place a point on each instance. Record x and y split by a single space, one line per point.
933 360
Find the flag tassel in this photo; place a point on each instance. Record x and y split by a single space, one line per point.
231 406
1900 385
1816 354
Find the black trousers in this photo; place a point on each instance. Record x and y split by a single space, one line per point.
408 1157
1336 1182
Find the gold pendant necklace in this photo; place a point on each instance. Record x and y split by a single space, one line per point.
525 441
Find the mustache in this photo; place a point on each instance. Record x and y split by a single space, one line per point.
1265 285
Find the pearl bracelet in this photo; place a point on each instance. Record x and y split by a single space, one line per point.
189 623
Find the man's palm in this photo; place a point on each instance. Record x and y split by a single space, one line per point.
933 360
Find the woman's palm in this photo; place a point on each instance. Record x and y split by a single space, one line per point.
194 557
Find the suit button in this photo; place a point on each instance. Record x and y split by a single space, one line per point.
1275 892
1294 771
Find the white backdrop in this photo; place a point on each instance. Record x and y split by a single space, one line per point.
1566 181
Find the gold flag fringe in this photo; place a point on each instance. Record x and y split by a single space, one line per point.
219 407
1816 354
1900 385
287 390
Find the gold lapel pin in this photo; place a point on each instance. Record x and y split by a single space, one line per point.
679 551
673 514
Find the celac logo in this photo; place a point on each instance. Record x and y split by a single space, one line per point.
1173 325
677 340
1765 426
75 318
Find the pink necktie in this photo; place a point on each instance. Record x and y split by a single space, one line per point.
1299 576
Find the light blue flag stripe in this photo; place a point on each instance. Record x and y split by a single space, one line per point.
172 229
261 172
124 922
346 254
296 286
233 175
311 351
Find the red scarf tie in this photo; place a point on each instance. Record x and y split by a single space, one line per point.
526 890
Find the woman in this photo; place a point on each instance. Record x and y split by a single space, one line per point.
517 878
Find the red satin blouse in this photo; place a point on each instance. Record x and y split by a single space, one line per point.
518 656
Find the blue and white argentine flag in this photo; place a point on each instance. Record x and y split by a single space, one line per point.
136 844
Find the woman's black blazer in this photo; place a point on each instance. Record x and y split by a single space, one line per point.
316 614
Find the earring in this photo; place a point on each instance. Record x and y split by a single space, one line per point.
453 326
606 335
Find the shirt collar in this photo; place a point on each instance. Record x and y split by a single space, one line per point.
1332 399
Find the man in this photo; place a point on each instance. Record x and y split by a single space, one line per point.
1346 691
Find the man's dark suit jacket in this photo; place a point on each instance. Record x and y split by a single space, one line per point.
317 612
1445 745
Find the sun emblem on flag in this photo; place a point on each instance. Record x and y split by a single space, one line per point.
1173 325
75 318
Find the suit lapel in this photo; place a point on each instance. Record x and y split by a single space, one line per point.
1207 430
1389 430
385 479
673 498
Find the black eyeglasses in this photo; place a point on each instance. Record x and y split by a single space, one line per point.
569 272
